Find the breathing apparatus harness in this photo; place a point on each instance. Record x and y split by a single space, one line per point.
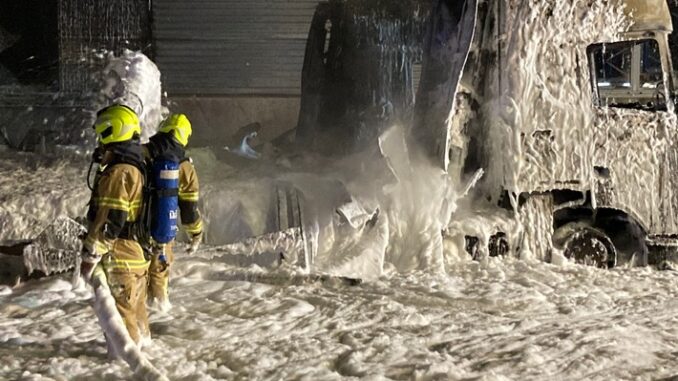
122 153
158 220
97 158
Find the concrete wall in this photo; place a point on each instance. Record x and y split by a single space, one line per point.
216 120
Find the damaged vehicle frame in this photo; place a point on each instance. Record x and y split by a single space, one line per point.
576 128
567 106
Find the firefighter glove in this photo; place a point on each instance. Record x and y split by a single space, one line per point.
89 261
196 239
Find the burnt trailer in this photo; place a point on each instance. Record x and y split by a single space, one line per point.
568 107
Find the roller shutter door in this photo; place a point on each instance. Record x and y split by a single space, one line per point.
228 47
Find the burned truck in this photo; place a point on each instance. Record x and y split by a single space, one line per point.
567 106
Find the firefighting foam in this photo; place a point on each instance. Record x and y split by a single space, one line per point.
263 303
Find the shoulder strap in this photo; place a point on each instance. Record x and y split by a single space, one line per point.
142 227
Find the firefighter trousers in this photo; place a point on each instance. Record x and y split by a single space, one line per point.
127 276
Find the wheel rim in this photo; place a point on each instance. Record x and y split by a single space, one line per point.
590 248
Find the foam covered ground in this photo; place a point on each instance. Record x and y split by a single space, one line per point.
499 321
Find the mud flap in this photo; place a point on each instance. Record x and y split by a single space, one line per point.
446 49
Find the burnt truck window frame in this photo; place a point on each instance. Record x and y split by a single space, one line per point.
627 74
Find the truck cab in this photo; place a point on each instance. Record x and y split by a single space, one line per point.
633 182
597 153
575 126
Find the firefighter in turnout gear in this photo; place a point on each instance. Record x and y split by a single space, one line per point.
110 244
169 144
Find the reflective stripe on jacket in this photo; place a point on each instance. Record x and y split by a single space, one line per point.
115 204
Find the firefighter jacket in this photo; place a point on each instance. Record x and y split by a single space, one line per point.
164 146
113 209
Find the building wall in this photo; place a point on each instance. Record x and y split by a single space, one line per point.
217 120
232 63
235 47
226 64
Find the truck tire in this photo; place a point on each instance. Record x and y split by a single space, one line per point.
589 246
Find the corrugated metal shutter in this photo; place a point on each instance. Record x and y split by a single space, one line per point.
217 47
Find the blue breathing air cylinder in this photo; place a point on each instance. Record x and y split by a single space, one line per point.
165 201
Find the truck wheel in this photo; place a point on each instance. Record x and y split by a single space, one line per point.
591 247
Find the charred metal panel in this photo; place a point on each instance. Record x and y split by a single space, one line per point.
361 69
446 49
210 47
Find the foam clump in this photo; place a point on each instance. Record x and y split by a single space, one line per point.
133 79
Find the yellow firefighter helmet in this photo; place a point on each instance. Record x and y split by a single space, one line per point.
179 126
117 124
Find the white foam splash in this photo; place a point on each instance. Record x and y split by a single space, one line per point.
133 79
